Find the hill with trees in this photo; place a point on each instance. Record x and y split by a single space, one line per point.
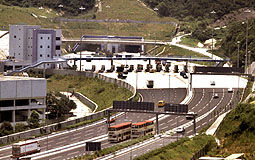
68 7
189 9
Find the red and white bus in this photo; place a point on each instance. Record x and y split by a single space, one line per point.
142 129
119 132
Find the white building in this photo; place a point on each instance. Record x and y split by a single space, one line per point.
29 44
20 95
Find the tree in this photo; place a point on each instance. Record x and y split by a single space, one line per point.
33 121
6 128
58 104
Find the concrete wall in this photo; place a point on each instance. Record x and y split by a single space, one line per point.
27 88
64 124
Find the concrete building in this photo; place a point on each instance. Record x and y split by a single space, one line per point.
20 95
29 44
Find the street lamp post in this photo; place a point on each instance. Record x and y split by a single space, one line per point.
81 8
213 12
238 45
155 9
246 44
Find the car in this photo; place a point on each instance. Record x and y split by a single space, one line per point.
230 90
188 117
216 95
212 83
161 103
110 121
180 130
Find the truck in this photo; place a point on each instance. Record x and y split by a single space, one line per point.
150 83
24 148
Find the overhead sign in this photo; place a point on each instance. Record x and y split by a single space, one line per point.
93 146
128 105
218 69
180 108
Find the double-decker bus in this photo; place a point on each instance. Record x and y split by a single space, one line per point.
142 128
119 132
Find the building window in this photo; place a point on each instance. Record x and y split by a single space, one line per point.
15 36
59 55
28 46
58 38
28 37
40 55
41 37
48 55
57 47
19 46
48 37
40 46
48 46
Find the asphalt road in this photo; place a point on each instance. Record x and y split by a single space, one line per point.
68 137
202 102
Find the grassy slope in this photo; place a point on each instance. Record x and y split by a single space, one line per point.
119 9
237 132
182 149
97 90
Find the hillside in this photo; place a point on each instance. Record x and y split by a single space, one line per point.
110 9
237 132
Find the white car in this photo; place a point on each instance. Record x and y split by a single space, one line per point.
230 90
216 95
212 83
188 117
180 130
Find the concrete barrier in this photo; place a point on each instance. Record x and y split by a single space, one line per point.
62 125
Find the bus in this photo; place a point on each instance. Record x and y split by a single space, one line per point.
142 129
119 132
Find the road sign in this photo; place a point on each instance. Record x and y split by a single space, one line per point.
128 105
93 146
181 108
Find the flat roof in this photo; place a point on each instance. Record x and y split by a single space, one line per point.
14 78
120 125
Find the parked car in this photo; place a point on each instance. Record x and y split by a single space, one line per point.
230 90
212 83
216 95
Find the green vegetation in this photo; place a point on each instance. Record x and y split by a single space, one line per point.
114 148
236 133
6 128
68 7
58 105
97 90
33 121
119 9
189 41
174 50
185 148
188 9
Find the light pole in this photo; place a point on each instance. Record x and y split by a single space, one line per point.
238 45
107 20
246 45
81 8
213 12
155 9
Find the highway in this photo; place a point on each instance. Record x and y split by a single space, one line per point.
203 103
63 138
